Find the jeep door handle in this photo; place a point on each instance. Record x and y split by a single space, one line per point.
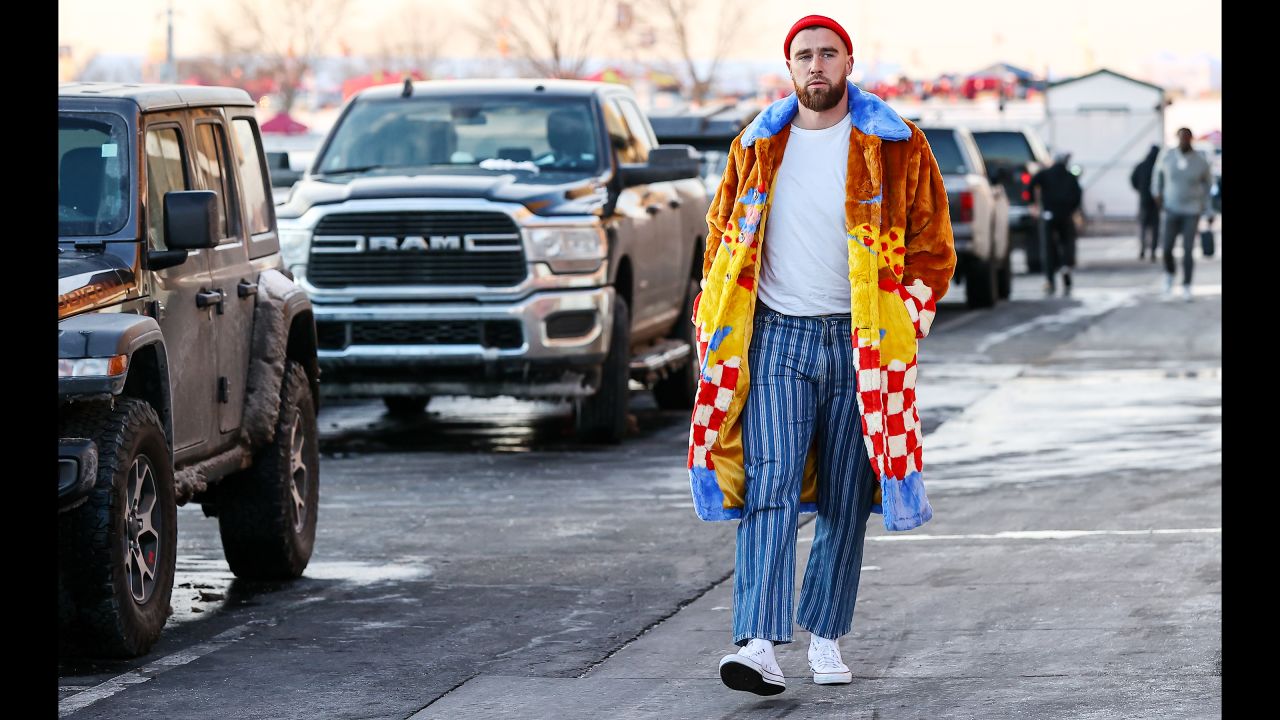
205 298
246 288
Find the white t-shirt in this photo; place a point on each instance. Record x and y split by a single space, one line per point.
806 255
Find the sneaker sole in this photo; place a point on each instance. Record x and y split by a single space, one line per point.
843 678
739 673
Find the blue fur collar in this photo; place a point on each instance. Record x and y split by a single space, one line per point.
871 115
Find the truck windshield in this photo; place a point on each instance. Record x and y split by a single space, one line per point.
1009 149
93 174
536 135
946 150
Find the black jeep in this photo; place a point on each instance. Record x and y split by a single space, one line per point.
186 356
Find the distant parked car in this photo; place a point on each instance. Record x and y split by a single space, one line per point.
288 157
979 215
709 131
1015 156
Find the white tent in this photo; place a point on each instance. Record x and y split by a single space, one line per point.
1107 121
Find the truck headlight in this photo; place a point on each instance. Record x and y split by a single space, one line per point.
565 243
294 246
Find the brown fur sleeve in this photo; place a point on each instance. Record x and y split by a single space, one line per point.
722 205
931 254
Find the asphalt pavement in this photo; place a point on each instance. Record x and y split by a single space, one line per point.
477 563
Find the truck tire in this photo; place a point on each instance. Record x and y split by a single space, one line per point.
267 513
1033 243
602 417
406 405
117 550
980 283
679 388
1004 279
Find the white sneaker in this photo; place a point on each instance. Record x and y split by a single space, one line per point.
753 669
1168 284
1186 293
825 662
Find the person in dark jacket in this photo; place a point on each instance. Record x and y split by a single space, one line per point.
1148 212
1058 195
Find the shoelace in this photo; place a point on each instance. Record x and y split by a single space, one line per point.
828 657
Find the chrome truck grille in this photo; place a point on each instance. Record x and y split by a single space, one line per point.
414 248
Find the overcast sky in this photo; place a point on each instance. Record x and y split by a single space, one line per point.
925 36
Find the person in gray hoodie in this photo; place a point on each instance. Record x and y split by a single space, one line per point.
1180 186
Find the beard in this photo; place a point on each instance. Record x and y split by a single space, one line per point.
818 99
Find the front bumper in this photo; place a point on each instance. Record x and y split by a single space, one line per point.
542 365
77 471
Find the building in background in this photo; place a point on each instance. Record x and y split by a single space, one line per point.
1107 121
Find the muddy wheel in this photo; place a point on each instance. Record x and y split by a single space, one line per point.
267 514
602 417
406 405
117 550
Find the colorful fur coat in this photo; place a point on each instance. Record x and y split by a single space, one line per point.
901 259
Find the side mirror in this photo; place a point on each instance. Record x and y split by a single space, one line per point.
281 173
190 218
277 160
998 175
161 259
285 178
678 158
666 162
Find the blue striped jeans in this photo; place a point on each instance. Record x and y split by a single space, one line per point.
803 393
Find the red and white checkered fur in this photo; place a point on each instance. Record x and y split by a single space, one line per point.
712 402
887 395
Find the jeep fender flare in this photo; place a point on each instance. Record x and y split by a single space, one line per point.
283 327
101 335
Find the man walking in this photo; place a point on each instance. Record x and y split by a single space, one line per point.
829 244
1180 186
1058 194
1148 213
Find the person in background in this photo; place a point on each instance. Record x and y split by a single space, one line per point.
1148 213
1180 185
1058 194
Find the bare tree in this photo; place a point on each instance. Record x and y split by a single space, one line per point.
285 36
551 38
679 31
228 55
411 39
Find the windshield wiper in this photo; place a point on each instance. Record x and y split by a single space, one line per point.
353 169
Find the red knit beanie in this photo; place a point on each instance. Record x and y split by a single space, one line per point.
816 21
